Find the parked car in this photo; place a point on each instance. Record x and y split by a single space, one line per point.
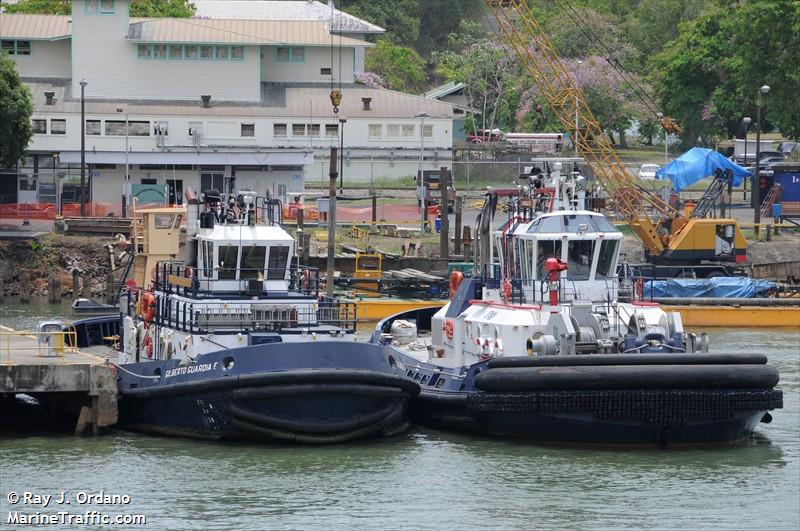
648 171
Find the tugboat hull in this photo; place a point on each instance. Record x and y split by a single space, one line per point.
321 393
644 418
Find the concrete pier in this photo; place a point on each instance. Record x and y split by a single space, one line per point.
66 381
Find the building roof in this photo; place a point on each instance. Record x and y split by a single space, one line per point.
299 101
284 10
445 90
236 32
35 27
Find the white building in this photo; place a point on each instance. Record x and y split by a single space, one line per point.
197 101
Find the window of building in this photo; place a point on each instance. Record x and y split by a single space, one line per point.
375 130
277 262
228 254
116 127
99 7
279 130
144 51
58 126
332 130
138 128
223 52
93 127
393 130
253 258
248 129
313 130
298 129
325 71
175 51
39 127
408 130
290 54
190 52
161 128
427 131
159 51
237 53
16 47
206 52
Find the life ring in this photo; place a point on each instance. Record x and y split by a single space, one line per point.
507 289
147 347
147 306
456 277
449 328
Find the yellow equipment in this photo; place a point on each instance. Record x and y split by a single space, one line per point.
669 237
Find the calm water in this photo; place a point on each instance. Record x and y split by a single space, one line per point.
427 479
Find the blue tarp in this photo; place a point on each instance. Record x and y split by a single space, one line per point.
727 287
696 164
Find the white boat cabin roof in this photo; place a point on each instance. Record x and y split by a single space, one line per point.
575 224
223 234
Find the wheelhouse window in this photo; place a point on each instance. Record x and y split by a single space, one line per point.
253 257
208 258
248 130
332 130
579 259
279 130
544 250
375 130
298 129
608 251
276 268
228 255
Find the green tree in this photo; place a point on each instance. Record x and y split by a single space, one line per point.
16 108
400 18
142 8
400 68
708 78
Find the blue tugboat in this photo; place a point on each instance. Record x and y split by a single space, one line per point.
539 345
235 342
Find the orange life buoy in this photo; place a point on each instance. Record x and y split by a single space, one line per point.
449 328
507 289
147 309
456 277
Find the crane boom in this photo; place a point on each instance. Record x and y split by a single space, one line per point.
537 54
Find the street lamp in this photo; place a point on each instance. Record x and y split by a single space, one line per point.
83 84
660 115
342 121
420 178
127 181
756 187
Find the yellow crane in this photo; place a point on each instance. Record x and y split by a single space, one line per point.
669 236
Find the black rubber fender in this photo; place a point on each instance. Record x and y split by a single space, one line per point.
628 359
628 377
289 377
316 426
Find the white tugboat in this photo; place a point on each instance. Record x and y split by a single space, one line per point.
537 343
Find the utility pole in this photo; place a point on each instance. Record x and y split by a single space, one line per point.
331 223
757 177
83 84
444 235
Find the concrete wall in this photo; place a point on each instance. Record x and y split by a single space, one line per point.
51 59
108 62
316 58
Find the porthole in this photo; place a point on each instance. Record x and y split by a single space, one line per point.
228 363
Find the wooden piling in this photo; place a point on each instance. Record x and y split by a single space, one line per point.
76 282
24 287
374 209
111 288
2 289
459 209
86 286
54 289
